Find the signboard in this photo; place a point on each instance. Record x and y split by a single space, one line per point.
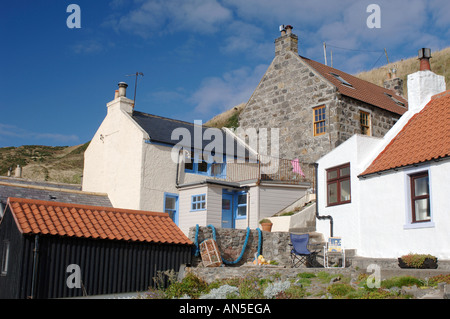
334 244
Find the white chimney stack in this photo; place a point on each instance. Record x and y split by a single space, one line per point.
423 84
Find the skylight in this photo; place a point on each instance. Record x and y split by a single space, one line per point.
337 76
394 99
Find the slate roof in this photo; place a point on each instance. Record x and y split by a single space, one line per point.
67 193
160 130
360 89
425 137
74 220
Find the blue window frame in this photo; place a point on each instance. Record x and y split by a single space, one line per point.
198 202
171 206
196 163
241 205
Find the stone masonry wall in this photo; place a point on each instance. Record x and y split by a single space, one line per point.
285 98
275 245
348 119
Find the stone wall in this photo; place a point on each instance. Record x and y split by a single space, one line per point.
285 98
275 245
347 119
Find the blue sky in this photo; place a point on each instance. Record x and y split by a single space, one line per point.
198 57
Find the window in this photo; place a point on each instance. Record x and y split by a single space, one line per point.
365 122
395 100
420 197
241 205
198 202
319 120
170 205
337 76
5 258
197 163
338 185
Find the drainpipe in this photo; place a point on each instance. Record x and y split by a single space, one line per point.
35 264
316 167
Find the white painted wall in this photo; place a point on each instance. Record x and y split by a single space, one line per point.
385 217
345 217
113 159
273 198
188 218
376 222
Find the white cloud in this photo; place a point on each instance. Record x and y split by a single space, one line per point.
217 94
166 16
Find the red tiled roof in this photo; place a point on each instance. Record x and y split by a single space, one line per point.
361 89
63 219
425 137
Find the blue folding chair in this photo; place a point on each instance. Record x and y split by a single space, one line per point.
300 254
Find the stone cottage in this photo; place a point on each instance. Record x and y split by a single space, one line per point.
389 196
317 107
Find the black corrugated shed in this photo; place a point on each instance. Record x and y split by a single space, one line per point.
37 265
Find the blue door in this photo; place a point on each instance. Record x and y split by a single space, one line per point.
171 206
227 211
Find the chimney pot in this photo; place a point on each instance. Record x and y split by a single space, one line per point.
289 29
116 94
18 172
424 57
123 89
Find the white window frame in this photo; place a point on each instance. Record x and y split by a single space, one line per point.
407 189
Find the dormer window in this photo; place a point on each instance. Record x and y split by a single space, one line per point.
337 76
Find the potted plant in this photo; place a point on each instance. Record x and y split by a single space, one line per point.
266 224
418 261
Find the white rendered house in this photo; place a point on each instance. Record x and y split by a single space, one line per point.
389 196
147 162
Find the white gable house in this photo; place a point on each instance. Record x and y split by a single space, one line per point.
198 175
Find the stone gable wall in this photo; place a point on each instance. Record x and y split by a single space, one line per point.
285 98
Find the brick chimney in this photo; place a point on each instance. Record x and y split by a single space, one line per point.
393 82
288 41
423 84
424 57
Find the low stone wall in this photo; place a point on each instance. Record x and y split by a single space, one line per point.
274 245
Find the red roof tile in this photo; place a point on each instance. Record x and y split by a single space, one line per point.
425 137
360 89
63 219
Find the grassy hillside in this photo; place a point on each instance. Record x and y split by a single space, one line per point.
62 164
440 64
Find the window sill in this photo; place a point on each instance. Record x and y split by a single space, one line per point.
338 204
429 224
198 210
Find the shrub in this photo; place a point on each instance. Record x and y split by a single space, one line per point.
416 260
191 286
400 282
223 292
439 278
276 289
340 290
